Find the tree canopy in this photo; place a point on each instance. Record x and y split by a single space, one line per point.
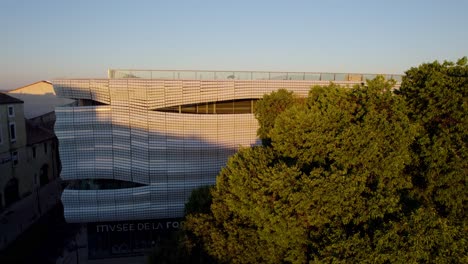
267 109
360 175
437 95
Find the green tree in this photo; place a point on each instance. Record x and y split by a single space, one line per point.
360 175
434 229
267 109
328 188
199 201
437 95
183 246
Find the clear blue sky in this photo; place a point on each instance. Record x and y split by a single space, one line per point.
69 39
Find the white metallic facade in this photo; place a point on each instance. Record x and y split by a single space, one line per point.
166 154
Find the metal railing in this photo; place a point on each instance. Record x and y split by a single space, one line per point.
244 75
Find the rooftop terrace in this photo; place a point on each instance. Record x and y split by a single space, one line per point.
244 75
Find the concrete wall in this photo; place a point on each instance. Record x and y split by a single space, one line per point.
27 169
8 168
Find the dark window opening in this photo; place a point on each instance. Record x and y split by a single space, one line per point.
11 111
13 131
14 157
11 192
101 184
45 147
44 175
241 106
224 107
34 152
88 102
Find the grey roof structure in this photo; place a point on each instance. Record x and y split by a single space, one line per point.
6 99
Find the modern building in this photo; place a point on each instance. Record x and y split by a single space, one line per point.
135 145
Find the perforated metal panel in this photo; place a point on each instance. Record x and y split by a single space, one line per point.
170 154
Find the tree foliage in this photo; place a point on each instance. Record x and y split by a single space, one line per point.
267 109
182 246
437 95
359 175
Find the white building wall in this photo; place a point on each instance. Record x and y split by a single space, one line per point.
169 153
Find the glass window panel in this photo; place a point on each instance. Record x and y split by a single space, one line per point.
225 107
243 75
341 77
142 74
243 107
312 76
278 76
296 76
170 109
327 77
211 107
186 75
369 76
190 109
205 75
261 76
120 74
355 77
225 75
163 75
201 108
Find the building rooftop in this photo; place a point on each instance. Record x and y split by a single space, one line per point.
6 99
244 75
19 89
39 98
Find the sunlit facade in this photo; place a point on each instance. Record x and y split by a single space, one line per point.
135 145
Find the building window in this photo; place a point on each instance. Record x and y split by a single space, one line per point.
1 136
12 132
11 111
34 152
239 106
45 147
14 157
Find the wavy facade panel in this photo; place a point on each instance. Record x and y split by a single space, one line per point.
167 154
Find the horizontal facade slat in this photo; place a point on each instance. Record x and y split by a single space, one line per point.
170 154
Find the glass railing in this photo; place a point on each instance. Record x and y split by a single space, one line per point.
244 75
